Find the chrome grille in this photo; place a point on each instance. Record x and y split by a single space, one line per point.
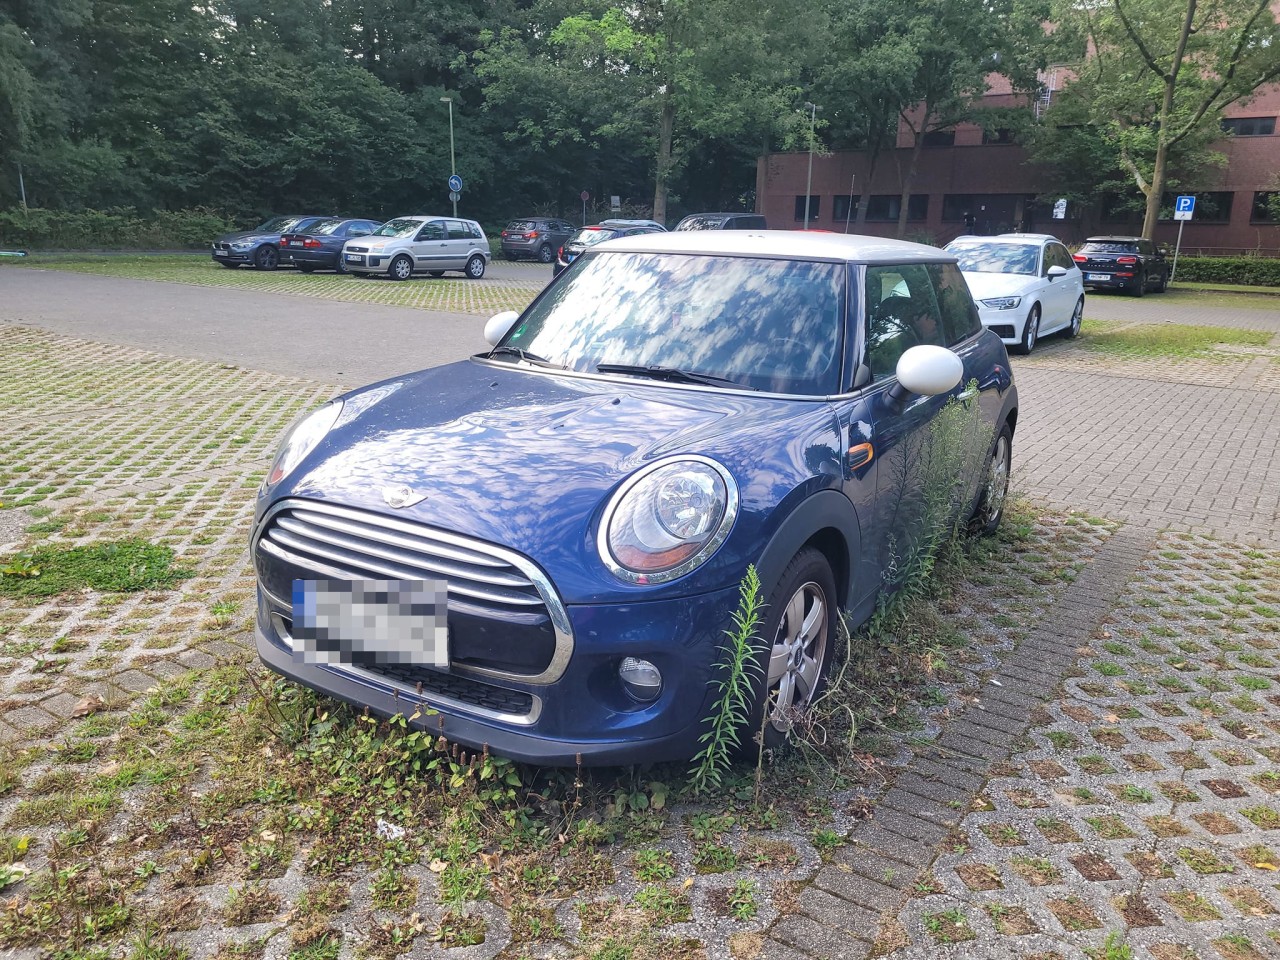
351 544
357 249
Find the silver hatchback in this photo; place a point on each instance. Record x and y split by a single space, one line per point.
419 244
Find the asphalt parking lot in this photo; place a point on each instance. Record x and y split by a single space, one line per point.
1104 767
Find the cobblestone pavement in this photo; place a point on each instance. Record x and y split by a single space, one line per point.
1098 773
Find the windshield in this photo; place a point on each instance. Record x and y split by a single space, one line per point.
398 228
281 224
773 325
700 223
593 235
520 226
1109 246
996 257
325 227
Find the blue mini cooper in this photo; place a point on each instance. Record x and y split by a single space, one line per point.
544 544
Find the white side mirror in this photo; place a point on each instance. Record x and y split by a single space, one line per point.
1056 271
497 326
929 370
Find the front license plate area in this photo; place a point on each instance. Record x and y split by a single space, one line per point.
367 622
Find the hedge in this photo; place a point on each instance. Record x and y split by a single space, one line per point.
121 228
1251 271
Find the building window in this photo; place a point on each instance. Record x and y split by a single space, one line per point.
1123 208
1214 207
1249 127
940 138
887 206
999 135
957 206
1266 207
815 204
844 209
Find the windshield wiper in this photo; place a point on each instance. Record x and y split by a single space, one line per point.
670 373
525 355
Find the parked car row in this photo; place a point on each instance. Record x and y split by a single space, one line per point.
397 249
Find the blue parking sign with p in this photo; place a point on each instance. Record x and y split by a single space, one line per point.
1184 208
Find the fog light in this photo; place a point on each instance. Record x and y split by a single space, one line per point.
641 678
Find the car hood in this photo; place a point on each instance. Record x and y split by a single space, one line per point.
253 236
527 460
984 286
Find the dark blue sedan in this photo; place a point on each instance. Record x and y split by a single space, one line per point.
259 247
539 549
318 246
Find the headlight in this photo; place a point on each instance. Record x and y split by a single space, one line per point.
301 440
1002 303
667 519
241 245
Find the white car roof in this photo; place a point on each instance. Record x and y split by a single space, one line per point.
1008 239
797 244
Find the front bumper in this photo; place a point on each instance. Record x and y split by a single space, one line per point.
233 256
585 715
372 262
1005 324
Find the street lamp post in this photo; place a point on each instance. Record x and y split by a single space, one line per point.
808 189
453 163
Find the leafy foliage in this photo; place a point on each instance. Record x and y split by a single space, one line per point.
732 708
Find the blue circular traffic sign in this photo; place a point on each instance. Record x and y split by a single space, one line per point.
455 183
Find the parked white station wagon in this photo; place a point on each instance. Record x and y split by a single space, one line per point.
420 244
1026 285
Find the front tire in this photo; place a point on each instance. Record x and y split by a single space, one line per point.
1077 320
401 268
475 267
995 486
799 636
267 258
1030 332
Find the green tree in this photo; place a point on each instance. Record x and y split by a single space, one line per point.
938 56
1159 74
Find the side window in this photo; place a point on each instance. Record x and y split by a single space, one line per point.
458 230
361 229
476 232
432 231
902 312
1063 256
959 315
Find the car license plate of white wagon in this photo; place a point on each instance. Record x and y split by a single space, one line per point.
371 622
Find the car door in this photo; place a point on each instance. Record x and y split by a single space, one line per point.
1155 263
431 247
900 311
1060 293
460 244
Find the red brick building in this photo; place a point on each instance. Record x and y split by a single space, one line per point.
968 172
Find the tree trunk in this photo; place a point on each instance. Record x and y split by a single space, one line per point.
1156 192
905 202
666 124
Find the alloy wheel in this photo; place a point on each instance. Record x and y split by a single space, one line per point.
997 483
797 656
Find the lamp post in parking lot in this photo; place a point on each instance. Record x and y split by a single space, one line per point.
808 190
453 163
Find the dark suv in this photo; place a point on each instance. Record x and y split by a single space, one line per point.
537 237
1131 264
722 221
604 230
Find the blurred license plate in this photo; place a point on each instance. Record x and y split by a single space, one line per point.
355 258
371 621
1097 276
